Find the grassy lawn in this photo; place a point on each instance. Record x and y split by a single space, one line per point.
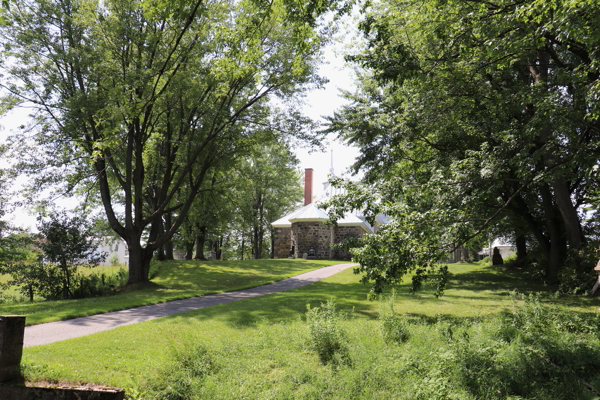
175 280
259 348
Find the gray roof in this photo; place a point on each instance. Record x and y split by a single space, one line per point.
312 213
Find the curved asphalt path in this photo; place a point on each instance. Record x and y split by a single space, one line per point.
51 332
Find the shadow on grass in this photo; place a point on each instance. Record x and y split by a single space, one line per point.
501 281
490 286
287 305
494 279
215 275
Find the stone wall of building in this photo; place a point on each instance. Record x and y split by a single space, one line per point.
283 242
345 232
315 235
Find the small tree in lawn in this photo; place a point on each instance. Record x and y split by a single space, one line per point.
67 243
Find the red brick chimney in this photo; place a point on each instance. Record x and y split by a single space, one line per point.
308 181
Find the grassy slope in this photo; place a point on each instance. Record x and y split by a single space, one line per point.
259 344
176 280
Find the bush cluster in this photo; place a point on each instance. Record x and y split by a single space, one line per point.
327 338
534 352
394 328
181 379
94 284
48 283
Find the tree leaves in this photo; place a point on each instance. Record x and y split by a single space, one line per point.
469 116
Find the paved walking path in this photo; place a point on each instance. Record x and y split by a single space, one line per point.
37 335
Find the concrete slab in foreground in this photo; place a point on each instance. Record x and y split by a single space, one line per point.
37 335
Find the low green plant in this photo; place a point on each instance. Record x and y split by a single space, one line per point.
94 285
393 327
114 260
535 351
327 338
462 346
8 298
182 378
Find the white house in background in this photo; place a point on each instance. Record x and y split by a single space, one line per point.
112 246
506 249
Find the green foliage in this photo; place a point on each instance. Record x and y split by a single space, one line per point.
534 352
46 280
145 130
327 338
26 270
462 346
114 260
386 257
473 120
94 284
66 243
184 376
394 328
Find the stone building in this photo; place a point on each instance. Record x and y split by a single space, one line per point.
304 230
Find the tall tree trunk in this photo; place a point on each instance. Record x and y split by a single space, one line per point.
272 230
539 69
213 250
161 250
255 253
243 239
568 213
139 261
555 255
168 247
261 226
189 250
224 244
521 244
219 248
200 242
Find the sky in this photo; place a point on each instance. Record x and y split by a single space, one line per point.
323 103
319 103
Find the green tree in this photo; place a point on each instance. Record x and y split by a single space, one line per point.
243 199
470 113
135 100
68 243
270 186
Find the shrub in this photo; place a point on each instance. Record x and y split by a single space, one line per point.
94 285
182 378
534 352
327 338
67 244
114 260
393 327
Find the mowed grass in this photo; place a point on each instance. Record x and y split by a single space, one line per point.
175 280
258 348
